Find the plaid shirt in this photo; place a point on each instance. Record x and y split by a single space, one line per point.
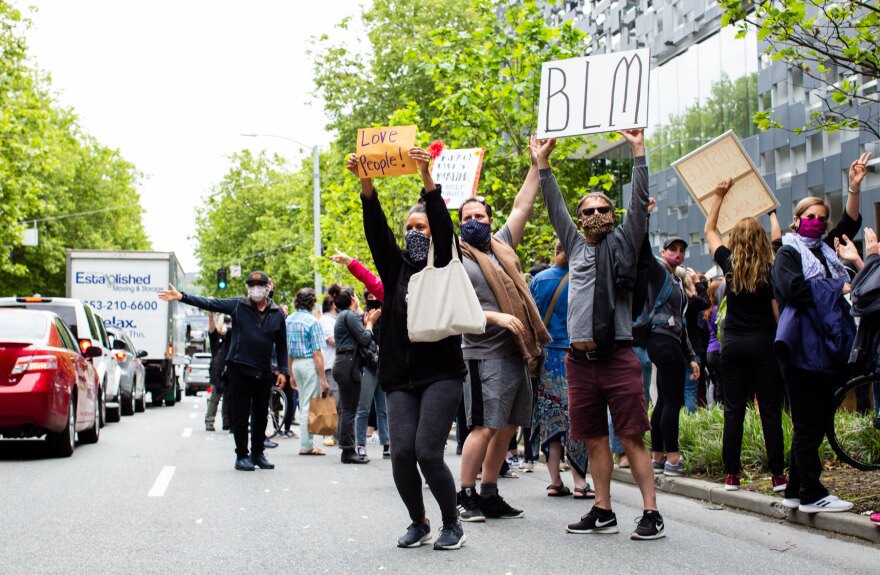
304 335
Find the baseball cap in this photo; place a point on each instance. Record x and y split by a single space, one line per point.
257 278
671 240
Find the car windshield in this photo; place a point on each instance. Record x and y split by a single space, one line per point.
27 326
205 360
66 312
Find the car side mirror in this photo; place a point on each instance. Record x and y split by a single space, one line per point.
142 353
118 344
94 351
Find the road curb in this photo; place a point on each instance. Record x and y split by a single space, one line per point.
848 524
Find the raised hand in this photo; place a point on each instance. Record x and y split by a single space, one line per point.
846 252
871 245
170 294
652 203
723 187
636 139
351 164
421 157
857 171
541 150
341 258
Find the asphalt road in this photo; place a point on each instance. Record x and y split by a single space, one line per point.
153 497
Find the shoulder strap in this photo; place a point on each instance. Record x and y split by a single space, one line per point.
553 301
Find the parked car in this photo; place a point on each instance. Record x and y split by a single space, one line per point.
47 386
198 373
81 320
132 375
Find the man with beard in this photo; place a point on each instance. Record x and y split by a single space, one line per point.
603 371
259 330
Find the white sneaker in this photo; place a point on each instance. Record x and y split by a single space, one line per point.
791 502
828 504
361 450
373 438
514 461
527 467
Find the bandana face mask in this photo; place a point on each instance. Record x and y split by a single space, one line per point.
674 259
476 233
258 293
417 245
812 228
598 225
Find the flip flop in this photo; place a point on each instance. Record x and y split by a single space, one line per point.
312 452
584 492
558 490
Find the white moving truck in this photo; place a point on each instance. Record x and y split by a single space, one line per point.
122 287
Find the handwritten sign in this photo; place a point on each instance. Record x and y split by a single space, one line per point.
458 171
382 152
594 94
723 158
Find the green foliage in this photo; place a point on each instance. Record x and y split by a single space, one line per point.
837 45
49 169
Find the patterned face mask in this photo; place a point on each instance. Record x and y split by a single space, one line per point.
258 293
598 225
417 245
476 233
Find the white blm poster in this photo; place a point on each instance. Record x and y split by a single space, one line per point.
458 171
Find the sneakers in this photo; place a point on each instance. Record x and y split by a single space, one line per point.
673 469
244 463
417 534
451 537
469 506
373 438
495 507
386 452
289 434
780 482
514 461
875 519
658 466
527 467
269 444
209 427
650 526
361 451
596 521
828 504
731 483
351 456
261 462
791 502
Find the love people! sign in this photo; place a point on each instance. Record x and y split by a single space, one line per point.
458 171
594 94
382 152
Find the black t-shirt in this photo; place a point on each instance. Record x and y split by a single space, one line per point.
747 313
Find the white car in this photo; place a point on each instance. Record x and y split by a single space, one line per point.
89 332
198 373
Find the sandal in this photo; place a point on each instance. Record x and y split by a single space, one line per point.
312 452
584 492
509 474
558 490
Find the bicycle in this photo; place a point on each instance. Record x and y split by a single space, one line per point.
854 434
277 410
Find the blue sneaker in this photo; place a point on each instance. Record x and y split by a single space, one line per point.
673 470
658 466
417 534
451 537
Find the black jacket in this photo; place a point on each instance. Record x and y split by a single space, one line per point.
404 364
254 333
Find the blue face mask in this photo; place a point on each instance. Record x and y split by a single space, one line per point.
417 245
476 233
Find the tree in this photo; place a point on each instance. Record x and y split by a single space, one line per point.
836 45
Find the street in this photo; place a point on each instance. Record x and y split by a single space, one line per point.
159 495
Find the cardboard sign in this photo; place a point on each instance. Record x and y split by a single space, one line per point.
382 152
723 158
458 171
594 94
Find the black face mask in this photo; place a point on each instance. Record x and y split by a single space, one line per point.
271 294
373 304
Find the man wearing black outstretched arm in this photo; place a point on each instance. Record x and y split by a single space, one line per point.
259 328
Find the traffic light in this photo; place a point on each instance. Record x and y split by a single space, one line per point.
221 278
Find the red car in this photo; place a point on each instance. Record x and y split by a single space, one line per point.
46 385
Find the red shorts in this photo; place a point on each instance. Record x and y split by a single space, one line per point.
595 386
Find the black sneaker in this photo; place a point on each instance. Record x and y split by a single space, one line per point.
495 507
386 452
596 521
261 462
650 526
451 537
417 534
244 463
469 506
209 427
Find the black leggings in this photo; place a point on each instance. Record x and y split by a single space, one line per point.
665 352
419 422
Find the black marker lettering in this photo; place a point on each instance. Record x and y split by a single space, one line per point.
629 66
550 97
586 93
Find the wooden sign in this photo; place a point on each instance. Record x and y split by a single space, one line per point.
594 94
382 152
722 158
458 171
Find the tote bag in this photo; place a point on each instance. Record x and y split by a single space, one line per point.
441 302
322 416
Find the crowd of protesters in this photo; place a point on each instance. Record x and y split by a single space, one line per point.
570 354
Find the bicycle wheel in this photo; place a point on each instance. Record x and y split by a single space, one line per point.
277 411
855 433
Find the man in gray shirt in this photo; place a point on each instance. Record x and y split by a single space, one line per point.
603 371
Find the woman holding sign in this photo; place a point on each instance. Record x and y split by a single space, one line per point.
423 380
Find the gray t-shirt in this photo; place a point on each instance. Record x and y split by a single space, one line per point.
497 342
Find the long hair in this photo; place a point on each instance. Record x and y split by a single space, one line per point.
751 256
713 298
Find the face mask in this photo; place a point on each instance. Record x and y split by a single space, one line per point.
417 245
373 304
597 226
476 233
271 294
258 293
673 259
811 228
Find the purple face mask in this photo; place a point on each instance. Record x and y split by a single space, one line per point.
811 228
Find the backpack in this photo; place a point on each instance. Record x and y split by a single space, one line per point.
720 316
642 325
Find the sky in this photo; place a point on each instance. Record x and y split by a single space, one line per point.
173 84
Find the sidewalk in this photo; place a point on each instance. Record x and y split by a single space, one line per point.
841 523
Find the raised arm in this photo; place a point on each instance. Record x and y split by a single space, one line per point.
635 221
775 228
380 238
368 278
524 202
711 229
442 232
225 305
857 172
560 219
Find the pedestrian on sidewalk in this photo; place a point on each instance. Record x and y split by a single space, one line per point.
423 381
603 372
305 360
328 325
259 330
372 401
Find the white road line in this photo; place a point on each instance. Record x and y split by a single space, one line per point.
162 481
193 415
187 432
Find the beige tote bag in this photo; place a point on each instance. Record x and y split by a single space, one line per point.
442 302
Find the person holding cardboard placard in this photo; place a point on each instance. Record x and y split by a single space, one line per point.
498 391
809 284
603 372
423 380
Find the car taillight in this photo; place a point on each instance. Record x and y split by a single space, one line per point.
189 370
120 355
34 363
170 350
84 344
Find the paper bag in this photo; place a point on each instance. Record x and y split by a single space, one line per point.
323 419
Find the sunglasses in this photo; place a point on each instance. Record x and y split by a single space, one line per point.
822 219
591 211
